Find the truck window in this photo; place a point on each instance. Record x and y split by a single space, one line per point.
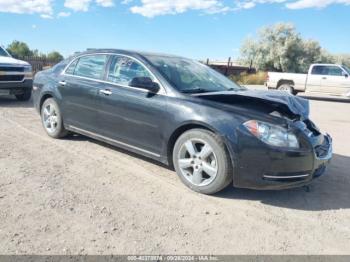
3 52
334 71
327 70
318 70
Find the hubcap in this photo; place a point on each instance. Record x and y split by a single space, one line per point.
50 118
198 162
285 89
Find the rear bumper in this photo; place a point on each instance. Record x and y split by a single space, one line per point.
16 88
262 168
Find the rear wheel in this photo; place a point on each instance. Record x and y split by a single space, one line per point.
202 161
52 119
287 88
25 96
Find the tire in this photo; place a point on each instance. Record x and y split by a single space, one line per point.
196 169
24 97
287 88
51 119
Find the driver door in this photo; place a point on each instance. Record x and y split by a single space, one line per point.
130 115
335 82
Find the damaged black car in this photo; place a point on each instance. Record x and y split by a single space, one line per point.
186 115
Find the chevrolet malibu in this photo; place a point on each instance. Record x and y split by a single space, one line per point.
184 114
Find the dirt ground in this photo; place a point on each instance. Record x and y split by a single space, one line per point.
79 196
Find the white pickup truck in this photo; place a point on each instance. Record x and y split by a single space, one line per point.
328 79
16 76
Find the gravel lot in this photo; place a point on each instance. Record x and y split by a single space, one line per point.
79 196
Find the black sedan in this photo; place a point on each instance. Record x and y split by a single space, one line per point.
184 114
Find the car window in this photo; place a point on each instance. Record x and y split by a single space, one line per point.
71 68
123 69
58 68
91 66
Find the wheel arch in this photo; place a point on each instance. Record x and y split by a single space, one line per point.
285 81
184 128
44 97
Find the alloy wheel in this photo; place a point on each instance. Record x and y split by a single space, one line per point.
198 162
50 118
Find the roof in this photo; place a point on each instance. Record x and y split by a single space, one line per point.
125 52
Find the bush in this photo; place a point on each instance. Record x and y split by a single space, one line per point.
250 79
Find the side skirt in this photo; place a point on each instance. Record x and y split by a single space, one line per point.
116 143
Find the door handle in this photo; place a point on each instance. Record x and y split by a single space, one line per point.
106 92
62 83
324 78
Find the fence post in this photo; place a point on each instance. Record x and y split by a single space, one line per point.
228 66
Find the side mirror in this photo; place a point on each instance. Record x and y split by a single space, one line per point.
145 83
346 75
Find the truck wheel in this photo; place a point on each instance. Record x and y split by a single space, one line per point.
288 88
202 162
24 97
52 119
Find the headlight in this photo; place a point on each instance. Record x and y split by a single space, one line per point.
28 71
272 134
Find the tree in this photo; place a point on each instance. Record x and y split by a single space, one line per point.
343 59
19 49
281 48
55 56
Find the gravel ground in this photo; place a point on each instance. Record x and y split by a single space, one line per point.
79 196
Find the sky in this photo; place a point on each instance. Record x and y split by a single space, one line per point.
199 29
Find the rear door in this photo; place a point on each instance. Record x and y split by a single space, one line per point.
335 81
130 115
79 87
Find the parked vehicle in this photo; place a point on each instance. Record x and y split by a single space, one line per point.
16 77
321 78
184 114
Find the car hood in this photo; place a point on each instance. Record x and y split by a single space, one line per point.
12 61
296 105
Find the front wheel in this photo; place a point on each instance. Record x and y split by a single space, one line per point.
52 119
202 161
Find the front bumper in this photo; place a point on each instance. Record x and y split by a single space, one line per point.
261 167
16 88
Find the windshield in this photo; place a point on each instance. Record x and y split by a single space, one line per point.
347 69
189 76
3 52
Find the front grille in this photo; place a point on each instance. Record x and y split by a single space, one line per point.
11 78
322 150
11 69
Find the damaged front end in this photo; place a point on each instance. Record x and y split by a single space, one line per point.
284 149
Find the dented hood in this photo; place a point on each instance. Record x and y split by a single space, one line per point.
296 105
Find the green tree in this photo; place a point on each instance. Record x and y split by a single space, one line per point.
19 49
56 56
281 48
343 59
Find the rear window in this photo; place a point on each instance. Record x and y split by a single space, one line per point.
91 66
